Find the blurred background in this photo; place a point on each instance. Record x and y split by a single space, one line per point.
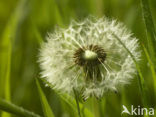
24 24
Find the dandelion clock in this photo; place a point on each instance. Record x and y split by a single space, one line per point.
88 57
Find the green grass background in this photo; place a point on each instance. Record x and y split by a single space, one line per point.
24 25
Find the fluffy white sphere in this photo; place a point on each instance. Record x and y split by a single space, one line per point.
87 56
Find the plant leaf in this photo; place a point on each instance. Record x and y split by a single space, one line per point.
45 106
150 29
71 102
14 109
151 67
8 36
142 85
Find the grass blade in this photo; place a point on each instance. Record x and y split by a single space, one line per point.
77 102
140 76
11 108
150 29
72 102
46 107
7 38
151 67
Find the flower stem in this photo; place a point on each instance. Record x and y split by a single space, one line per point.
19 111
77 102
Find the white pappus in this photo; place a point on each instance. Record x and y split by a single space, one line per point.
87 56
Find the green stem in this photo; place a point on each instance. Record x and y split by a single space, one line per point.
19 111
77 102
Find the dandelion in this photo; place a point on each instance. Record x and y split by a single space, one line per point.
87 57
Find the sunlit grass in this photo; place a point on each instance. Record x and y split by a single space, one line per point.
24 26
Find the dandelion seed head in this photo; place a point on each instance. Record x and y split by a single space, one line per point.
87 56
